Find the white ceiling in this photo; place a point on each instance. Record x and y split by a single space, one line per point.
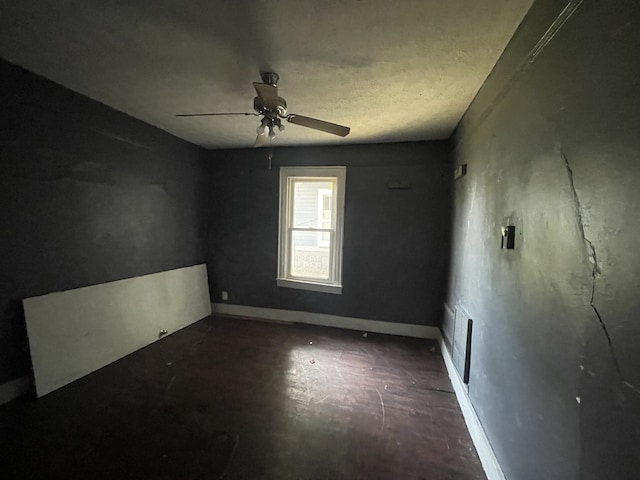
391 70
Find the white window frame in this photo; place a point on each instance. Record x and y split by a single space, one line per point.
286 229
322 193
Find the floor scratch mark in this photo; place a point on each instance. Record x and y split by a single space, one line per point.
370 356
411 375
198 341
382 405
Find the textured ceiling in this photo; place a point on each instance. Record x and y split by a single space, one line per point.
392 71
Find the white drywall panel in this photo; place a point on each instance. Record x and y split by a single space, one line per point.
78 331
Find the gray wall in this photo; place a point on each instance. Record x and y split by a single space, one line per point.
87 195
395 241
552 145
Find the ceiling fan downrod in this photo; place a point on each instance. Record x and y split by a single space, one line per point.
270 78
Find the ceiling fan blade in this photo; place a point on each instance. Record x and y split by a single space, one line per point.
262 140
268 94
316 124
215 114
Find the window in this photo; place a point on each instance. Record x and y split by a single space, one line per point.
310 240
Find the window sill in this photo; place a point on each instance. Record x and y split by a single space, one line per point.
314 287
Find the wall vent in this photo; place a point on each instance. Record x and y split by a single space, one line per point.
462 334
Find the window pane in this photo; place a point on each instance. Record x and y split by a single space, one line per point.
310 230
309 255
309 199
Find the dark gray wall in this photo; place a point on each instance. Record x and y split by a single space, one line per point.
552 146
87 195
395 241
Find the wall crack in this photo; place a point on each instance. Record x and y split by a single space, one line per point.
595 269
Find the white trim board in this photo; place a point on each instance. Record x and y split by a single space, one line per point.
76 332
14 389
487 456
326 320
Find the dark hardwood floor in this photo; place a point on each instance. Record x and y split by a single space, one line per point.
239 399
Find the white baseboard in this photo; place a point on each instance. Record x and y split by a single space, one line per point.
348 323
487 456
14 389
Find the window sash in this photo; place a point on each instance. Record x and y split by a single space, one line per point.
290 252
289 177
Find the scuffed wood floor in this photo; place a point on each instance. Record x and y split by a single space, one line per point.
240 399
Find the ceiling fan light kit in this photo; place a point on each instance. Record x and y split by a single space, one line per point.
272 108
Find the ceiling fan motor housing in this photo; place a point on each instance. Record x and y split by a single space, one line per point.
258 106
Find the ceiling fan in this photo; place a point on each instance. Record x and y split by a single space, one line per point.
268 105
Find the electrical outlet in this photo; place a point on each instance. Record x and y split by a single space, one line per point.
225 296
